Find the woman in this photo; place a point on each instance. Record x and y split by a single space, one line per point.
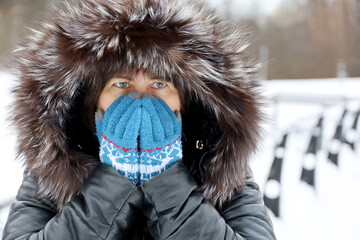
158 74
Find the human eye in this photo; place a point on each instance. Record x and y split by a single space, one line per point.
159 85
122 84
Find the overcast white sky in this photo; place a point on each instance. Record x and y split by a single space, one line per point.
244 7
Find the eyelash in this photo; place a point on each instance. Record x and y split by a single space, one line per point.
153 85
121 85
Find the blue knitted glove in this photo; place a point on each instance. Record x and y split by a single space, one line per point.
160 137
118 133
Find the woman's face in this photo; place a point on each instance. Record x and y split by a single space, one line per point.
140 82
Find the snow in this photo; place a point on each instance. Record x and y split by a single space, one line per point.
10 170
328 211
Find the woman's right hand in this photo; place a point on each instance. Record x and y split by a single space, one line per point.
118 132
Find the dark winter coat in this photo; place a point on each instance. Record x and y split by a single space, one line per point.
62 67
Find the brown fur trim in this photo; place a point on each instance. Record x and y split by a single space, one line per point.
92 39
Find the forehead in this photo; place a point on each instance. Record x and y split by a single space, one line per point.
130 74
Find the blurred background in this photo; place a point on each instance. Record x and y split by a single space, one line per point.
309 164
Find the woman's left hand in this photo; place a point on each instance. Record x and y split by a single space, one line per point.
160 137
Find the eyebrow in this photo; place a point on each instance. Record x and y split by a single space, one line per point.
159 76
127 76
130 75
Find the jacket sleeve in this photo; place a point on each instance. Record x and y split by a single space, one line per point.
105 208
176 210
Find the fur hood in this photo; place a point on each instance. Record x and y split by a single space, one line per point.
63 65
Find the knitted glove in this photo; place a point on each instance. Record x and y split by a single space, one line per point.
160 137
118 133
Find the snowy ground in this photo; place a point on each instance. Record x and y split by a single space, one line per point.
329 211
